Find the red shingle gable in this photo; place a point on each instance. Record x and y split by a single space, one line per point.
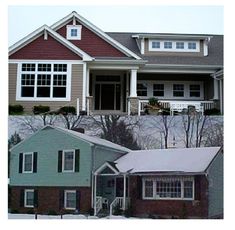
92 44
41 49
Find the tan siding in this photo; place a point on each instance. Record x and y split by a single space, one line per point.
154 53
12 82
76 91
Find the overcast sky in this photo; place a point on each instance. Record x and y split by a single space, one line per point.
158 19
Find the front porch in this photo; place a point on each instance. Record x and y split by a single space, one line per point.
110 191
126 91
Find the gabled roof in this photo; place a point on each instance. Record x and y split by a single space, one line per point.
45 29
97 31
93 140
187 160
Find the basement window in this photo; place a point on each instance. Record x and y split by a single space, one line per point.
74 32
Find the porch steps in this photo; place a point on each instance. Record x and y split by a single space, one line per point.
103 213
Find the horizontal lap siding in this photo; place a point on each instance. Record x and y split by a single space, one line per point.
76 90
49 199
41 49
92 43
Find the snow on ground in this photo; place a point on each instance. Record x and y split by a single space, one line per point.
32 216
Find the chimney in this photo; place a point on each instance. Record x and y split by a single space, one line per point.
79 130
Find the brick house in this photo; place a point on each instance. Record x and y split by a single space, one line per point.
65 171
75 63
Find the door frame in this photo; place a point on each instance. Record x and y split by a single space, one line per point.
94 82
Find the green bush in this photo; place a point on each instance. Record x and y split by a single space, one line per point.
153 101
67 110
212 112
38 109
14 211
16 109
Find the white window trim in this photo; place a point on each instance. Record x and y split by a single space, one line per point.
25 198
63 156
174 49
68 32
36 72
155 197
65 199
24 154
168 89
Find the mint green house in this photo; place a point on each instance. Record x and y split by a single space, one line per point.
52 170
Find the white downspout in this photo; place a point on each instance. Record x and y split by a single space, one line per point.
124 192
84 75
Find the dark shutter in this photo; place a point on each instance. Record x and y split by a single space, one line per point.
35 198
78 198
35 160
22 198
60 153
61 199
139 187
20 162
197 185
77 160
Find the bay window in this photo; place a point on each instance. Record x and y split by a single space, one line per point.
44 81
168 188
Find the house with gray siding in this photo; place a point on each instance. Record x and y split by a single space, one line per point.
60 170
73 62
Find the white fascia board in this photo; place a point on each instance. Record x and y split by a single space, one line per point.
103 166
26 40
98 32
184 66
173 36
120 61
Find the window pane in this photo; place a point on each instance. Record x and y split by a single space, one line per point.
27 91
71 200
148 188
179 45
44 67
60 67
142 89
29 198
168 189
156 45
28 162
158 90
178 90
28 67
68 161
192 45
188 189
74 32
59 92
194 90
167 45
43 91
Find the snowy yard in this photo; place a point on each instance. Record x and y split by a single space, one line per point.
32 216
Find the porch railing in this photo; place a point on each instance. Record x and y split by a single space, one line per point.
118 201
200 106
98 205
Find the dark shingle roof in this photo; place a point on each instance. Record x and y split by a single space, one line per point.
215 56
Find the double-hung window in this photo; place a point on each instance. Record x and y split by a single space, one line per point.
158 90
192 45
142 89
70 199
156 44
29 198
44 81
27 162
167 45
178 90
74 32
68 161
179 45
194 90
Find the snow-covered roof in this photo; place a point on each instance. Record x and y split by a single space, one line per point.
187 160
93 140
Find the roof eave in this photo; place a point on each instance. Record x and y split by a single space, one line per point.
173 36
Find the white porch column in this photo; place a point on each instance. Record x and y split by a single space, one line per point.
87 82
216 89
95 182
133 83
84 86
221 96
124 192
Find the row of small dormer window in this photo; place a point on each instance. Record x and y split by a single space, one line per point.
176 46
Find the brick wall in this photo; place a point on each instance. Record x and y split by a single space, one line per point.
49 199
168 208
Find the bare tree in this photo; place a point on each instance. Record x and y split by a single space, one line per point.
71 121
